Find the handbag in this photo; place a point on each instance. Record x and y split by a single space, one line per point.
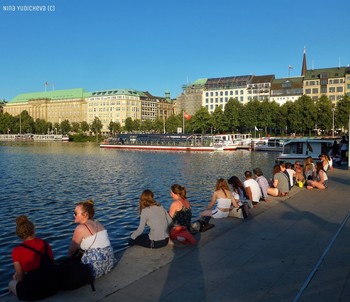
74 274
236 212
78 254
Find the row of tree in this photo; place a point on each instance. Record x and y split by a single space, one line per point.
304 116
24 123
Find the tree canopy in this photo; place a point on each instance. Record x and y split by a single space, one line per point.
305 116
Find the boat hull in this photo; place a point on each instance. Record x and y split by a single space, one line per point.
173 148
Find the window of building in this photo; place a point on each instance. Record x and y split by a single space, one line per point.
315 90
307 91
339 89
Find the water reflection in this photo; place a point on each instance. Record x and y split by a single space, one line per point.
45 180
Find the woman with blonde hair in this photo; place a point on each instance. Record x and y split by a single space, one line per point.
92 238
157 218
309 168
224 199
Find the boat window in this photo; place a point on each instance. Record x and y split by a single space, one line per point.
309 147
293 148
300 148
325 147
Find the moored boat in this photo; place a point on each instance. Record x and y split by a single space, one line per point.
271 144
231 142
300 148
169 142
65 138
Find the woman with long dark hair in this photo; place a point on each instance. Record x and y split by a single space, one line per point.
157 218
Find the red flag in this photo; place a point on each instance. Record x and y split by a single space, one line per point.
186 116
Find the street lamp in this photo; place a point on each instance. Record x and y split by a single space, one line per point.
333 109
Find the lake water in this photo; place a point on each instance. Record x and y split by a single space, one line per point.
45 180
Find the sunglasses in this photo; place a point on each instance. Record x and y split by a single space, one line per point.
76 214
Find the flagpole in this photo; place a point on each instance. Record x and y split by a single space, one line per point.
183 121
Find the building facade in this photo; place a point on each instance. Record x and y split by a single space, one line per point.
190 100
77 105
326 81
52 106
114 105
286 89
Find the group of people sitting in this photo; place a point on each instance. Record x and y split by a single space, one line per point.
91 239
36 276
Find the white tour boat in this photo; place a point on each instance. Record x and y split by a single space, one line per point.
271 144
300 148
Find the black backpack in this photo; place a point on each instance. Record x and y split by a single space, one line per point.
74 274
41 282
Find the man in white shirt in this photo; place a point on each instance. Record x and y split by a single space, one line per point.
252 188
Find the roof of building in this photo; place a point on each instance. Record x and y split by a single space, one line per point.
284 83
263 79
334 72
228 82
119 91
199 82
73 94
53 95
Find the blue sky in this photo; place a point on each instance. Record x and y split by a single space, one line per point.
159 45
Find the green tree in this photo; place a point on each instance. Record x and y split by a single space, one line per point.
136 125
201 121
250 116
232 112
26 122
342 113
158 125
65 127
324 112
307 114
147 126
173 122
56 127
8 124
84 126
268 111
96 126
114 127
218 119
75 127
129 125
41 126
